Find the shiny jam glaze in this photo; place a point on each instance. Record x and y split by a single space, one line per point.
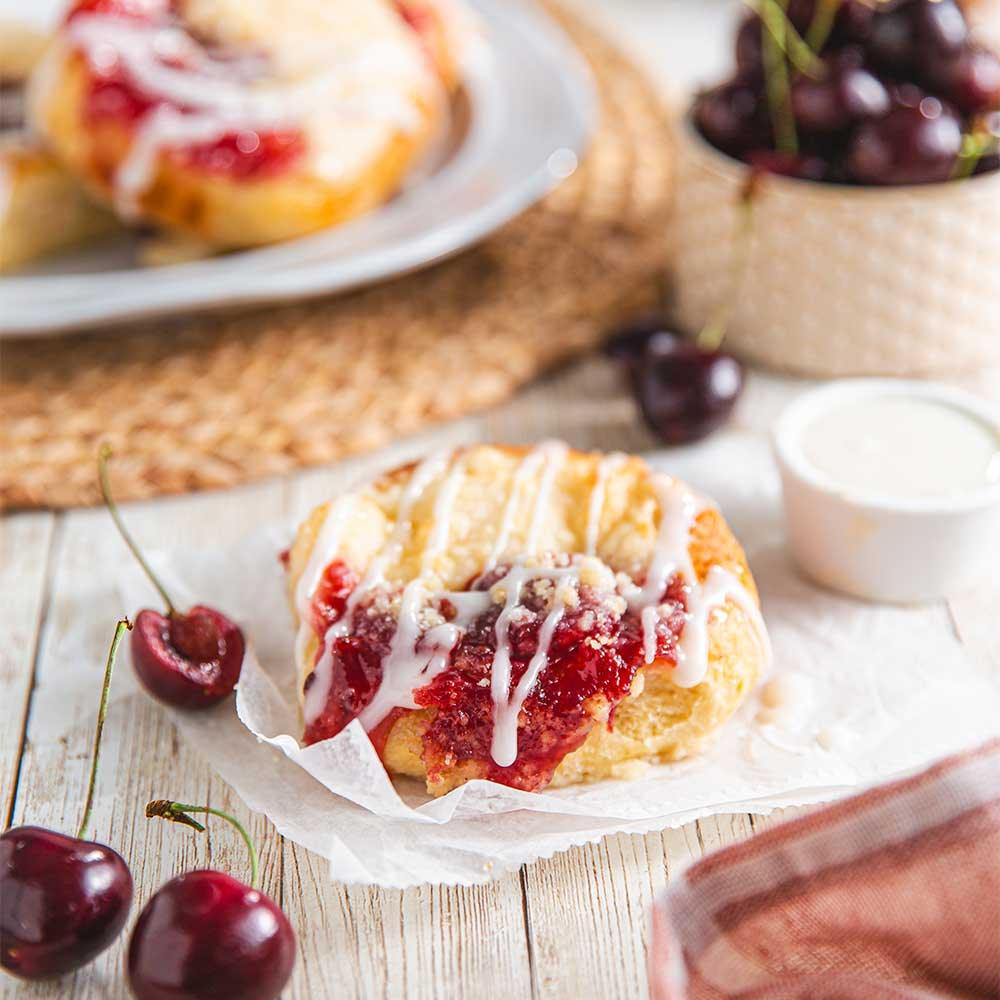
594 655
113 96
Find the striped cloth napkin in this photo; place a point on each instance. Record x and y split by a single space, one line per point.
894 893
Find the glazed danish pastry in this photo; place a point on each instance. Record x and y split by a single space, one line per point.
242 122
531 616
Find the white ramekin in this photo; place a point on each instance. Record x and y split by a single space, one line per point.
839 280
884 548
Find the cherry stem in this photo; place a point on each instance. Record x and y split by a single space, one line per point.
102 713
177 812
822 24
714 331
779 94
801 53
975 146
103 456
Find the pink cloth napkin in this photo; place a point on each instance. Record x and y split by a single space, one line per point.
892 894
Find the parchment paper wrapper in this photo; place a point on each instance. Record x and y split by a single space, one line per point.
878 691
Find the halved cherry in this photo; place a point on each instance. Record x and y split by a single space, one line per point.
188 659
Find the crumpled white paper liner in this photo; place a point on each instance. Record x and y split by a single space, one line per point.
886 688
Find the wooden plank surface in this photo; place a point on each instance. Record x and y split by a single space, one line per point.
570 926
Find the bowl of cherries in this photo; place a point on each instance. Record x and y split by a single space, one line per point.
841 192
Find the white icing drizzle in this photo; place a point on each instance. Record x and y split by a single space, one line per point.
679 509
507 709
554 454
354 86
500 670
412 662
416 656
443 507
526 470
719 588
325 546
423 476
605 468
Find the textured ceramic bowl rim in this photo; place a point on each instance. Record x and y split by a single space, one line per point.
730 168
787 440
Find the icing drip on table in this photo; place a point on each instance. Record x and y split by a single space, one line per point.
421 645
194 97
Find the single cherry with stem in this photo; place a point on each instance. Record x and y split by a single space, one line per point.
188 659
63 899
686 389
207 936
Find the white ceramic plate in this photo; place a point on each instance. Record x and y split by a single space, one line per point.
525 116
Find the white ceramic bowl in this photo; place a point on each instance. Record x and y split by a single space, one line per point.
884 548
840 280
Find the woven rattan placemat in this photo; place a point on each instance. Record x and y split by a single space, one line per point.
218 400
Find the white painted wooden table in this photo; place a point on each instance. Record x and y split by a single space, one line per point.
572 926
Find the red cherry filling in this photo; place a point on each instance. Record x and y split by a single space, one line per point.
594 655
240 154
335 588
190 660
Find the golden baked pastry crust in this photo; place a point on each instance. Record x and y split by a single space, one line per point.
226 211
44 210
659 719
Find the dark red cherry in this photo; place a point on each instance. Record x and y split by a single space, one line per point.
970 80
733 117
207 936
854 22
892 41
851 22
685 391
939 26
750 48
62 901
800 165
988 163
910 145
188 659
628 343
848 94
